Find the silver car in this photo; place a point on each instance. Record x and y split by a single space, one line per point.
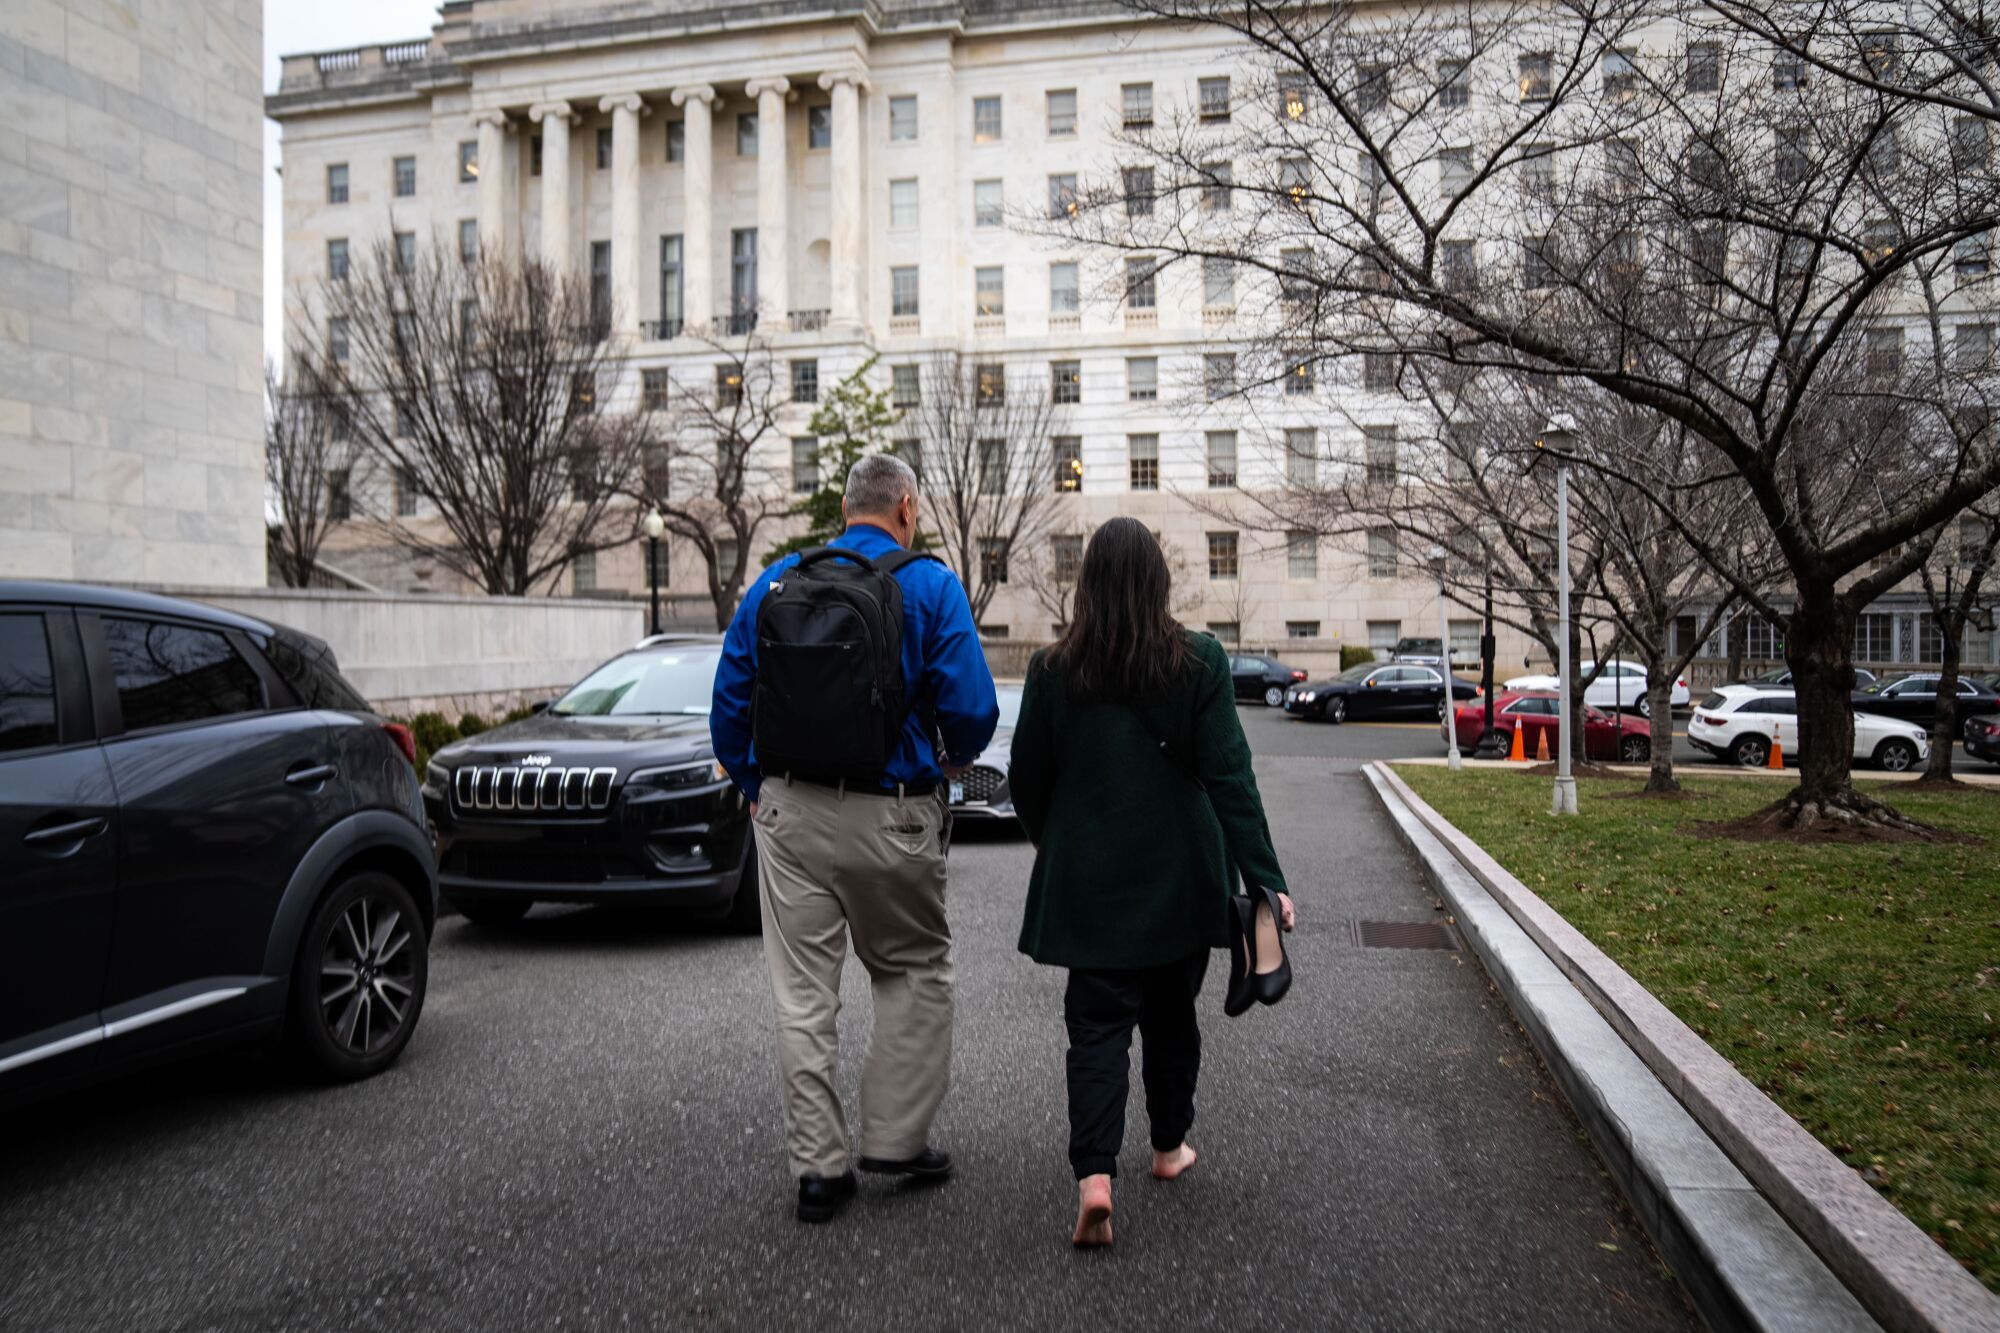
982 793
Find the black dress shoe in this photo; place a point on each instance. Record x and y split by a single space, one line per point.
930 1164
820 1197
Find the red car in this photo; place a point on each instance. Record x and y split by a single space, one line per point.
1623 738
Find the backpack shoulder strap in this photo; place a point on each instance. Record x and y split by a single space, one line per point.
896 559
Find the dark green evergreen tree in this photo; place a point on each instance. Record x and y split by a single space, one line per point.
851 421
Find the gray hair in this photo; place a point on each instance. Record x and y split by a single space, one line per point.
877 483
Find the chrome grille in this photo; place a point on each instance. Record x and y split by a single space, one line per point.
982 783
513 790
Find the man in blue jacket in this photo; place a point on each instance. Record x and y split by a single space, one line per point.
864 860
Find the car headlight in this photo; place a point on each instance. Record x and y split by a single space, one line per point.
1307 697
703 774
437 777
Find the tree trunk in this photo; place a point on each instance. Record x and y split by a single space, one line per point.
1578 755
1734 629
1944 726
1660 700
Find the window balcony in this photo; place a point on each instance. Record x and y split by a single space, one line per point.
1065 322
808 321
1142 319
735 325
661 330
1214 316
905 324
989 324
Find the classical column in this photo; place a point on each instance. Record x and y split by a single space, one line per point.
848 232
498 208
625 109
555 118
773 199
698 222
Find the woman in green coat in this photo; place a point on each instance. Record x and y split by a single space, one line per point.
1132 777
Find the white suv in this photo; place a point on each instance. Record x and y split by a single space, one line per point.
1739 722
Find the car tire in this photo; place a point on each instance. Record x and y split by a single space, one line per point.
492 911
1750 751
746 910
1645 707
366 931
1895 755
1274 697
1635 750
1336 709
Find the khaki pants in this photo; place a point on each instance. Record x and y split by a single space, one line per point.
833 865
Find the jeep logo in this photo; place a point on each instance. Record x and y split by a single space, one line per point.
536 760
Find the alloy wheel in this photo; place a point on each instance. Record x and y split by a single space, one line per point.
1337 710
1896 756
1635 749
367 976
1274 697
1752 752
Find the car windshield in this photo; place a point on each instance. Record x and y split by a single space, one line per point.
1775 676
1417 646
671 682
1356 674
1010 705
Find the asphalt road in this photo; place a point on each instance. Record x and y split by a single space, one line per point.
585 1133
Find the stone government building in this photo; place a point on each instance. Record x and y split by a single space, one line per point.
845 169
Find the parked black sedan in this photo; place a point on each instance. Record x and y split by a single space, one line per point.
1982 737
610 794
1263 679
1914 698
1377 689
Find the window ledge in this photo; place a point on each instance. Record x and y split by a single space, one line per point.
1068 323
1142 319
905 323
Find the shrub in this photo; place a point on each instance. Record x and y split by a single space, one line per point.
472 724
516 713
432 732
1352 655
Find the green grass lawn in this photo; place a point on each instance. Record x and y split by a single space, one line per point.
1859 987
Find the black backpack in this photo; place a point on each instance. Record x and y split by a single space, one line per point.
830 700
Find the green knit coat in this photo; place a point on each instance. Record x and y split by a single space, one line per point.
1135 860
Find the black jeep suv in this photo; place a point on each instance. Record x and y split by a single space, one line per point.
205 837
609 794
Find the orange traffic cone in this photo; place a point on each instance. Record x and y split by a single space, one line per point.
1518 754
1777 759
1541 745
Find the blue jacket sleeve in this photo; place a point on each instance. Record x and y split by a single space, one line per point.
735 686
956 676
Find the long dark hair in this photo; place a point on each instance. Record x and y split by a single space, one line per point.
1122 642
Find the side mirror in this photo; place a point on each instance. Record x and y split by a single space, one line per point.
540 705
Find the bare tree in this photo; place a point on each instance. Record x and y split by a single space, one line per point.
1695 226
714 473
993 469
1955 588
476 390
302 453
1050 572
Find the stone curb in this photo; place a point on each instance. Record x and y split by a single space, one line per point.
1857 1239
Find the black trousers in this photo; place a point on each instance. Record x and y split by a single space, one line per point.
1100 1008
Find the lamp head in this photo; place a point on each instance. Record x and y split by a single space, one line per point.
653 524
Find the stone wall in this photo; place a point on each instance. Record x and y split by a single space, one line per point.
131 302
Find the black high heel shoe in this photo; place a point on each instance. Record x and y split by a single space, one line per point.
1269 987
1242 955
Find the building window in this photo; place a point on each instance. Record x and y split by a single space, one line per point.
1382 636
1226 631
1972 346
1381 560
677 141
1067 453
1620 74
989 291
670 286
1792 158
1972 257
1302 629
746 134
1704 68
993 562
805 381
1064 296
406 177
1454 85
1215 100
653 389
1217 178
468 240
1143 455
336 338
1142 378
336 183
406 251
1299 380
1136 100
911 451
1295 179
406 493
805 461
583 401
1971 541
1218 282
992 631
905 389
902 204
1371 87
1968 143
742 279
1457 265
1062 196
1536 70
1218 375
1222 558
902 119
1874 637
1062 113
583 574
1221 460
468 322
986 120
989 380
336 259
468 160
1454 171
1138 192
1140 284
819 127
991 464
600 284
903 300
1301 456
1292 96
728 384
535 155
1537 272
405 420
1065 382
1302 559
1788 72
339 495
1379 443
988 207
1066 556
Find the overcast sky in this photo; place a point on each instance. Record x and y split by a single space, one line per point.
292 26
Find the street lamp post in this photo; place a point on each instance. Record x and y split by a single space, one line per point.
1449 705
654 526
1556 438
1490 746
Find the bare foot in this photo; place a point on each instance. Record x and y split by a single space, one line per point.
1268 951
1168 1165
1093 1212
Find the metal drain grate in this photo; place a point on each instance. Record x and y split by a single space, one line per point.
1404 935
